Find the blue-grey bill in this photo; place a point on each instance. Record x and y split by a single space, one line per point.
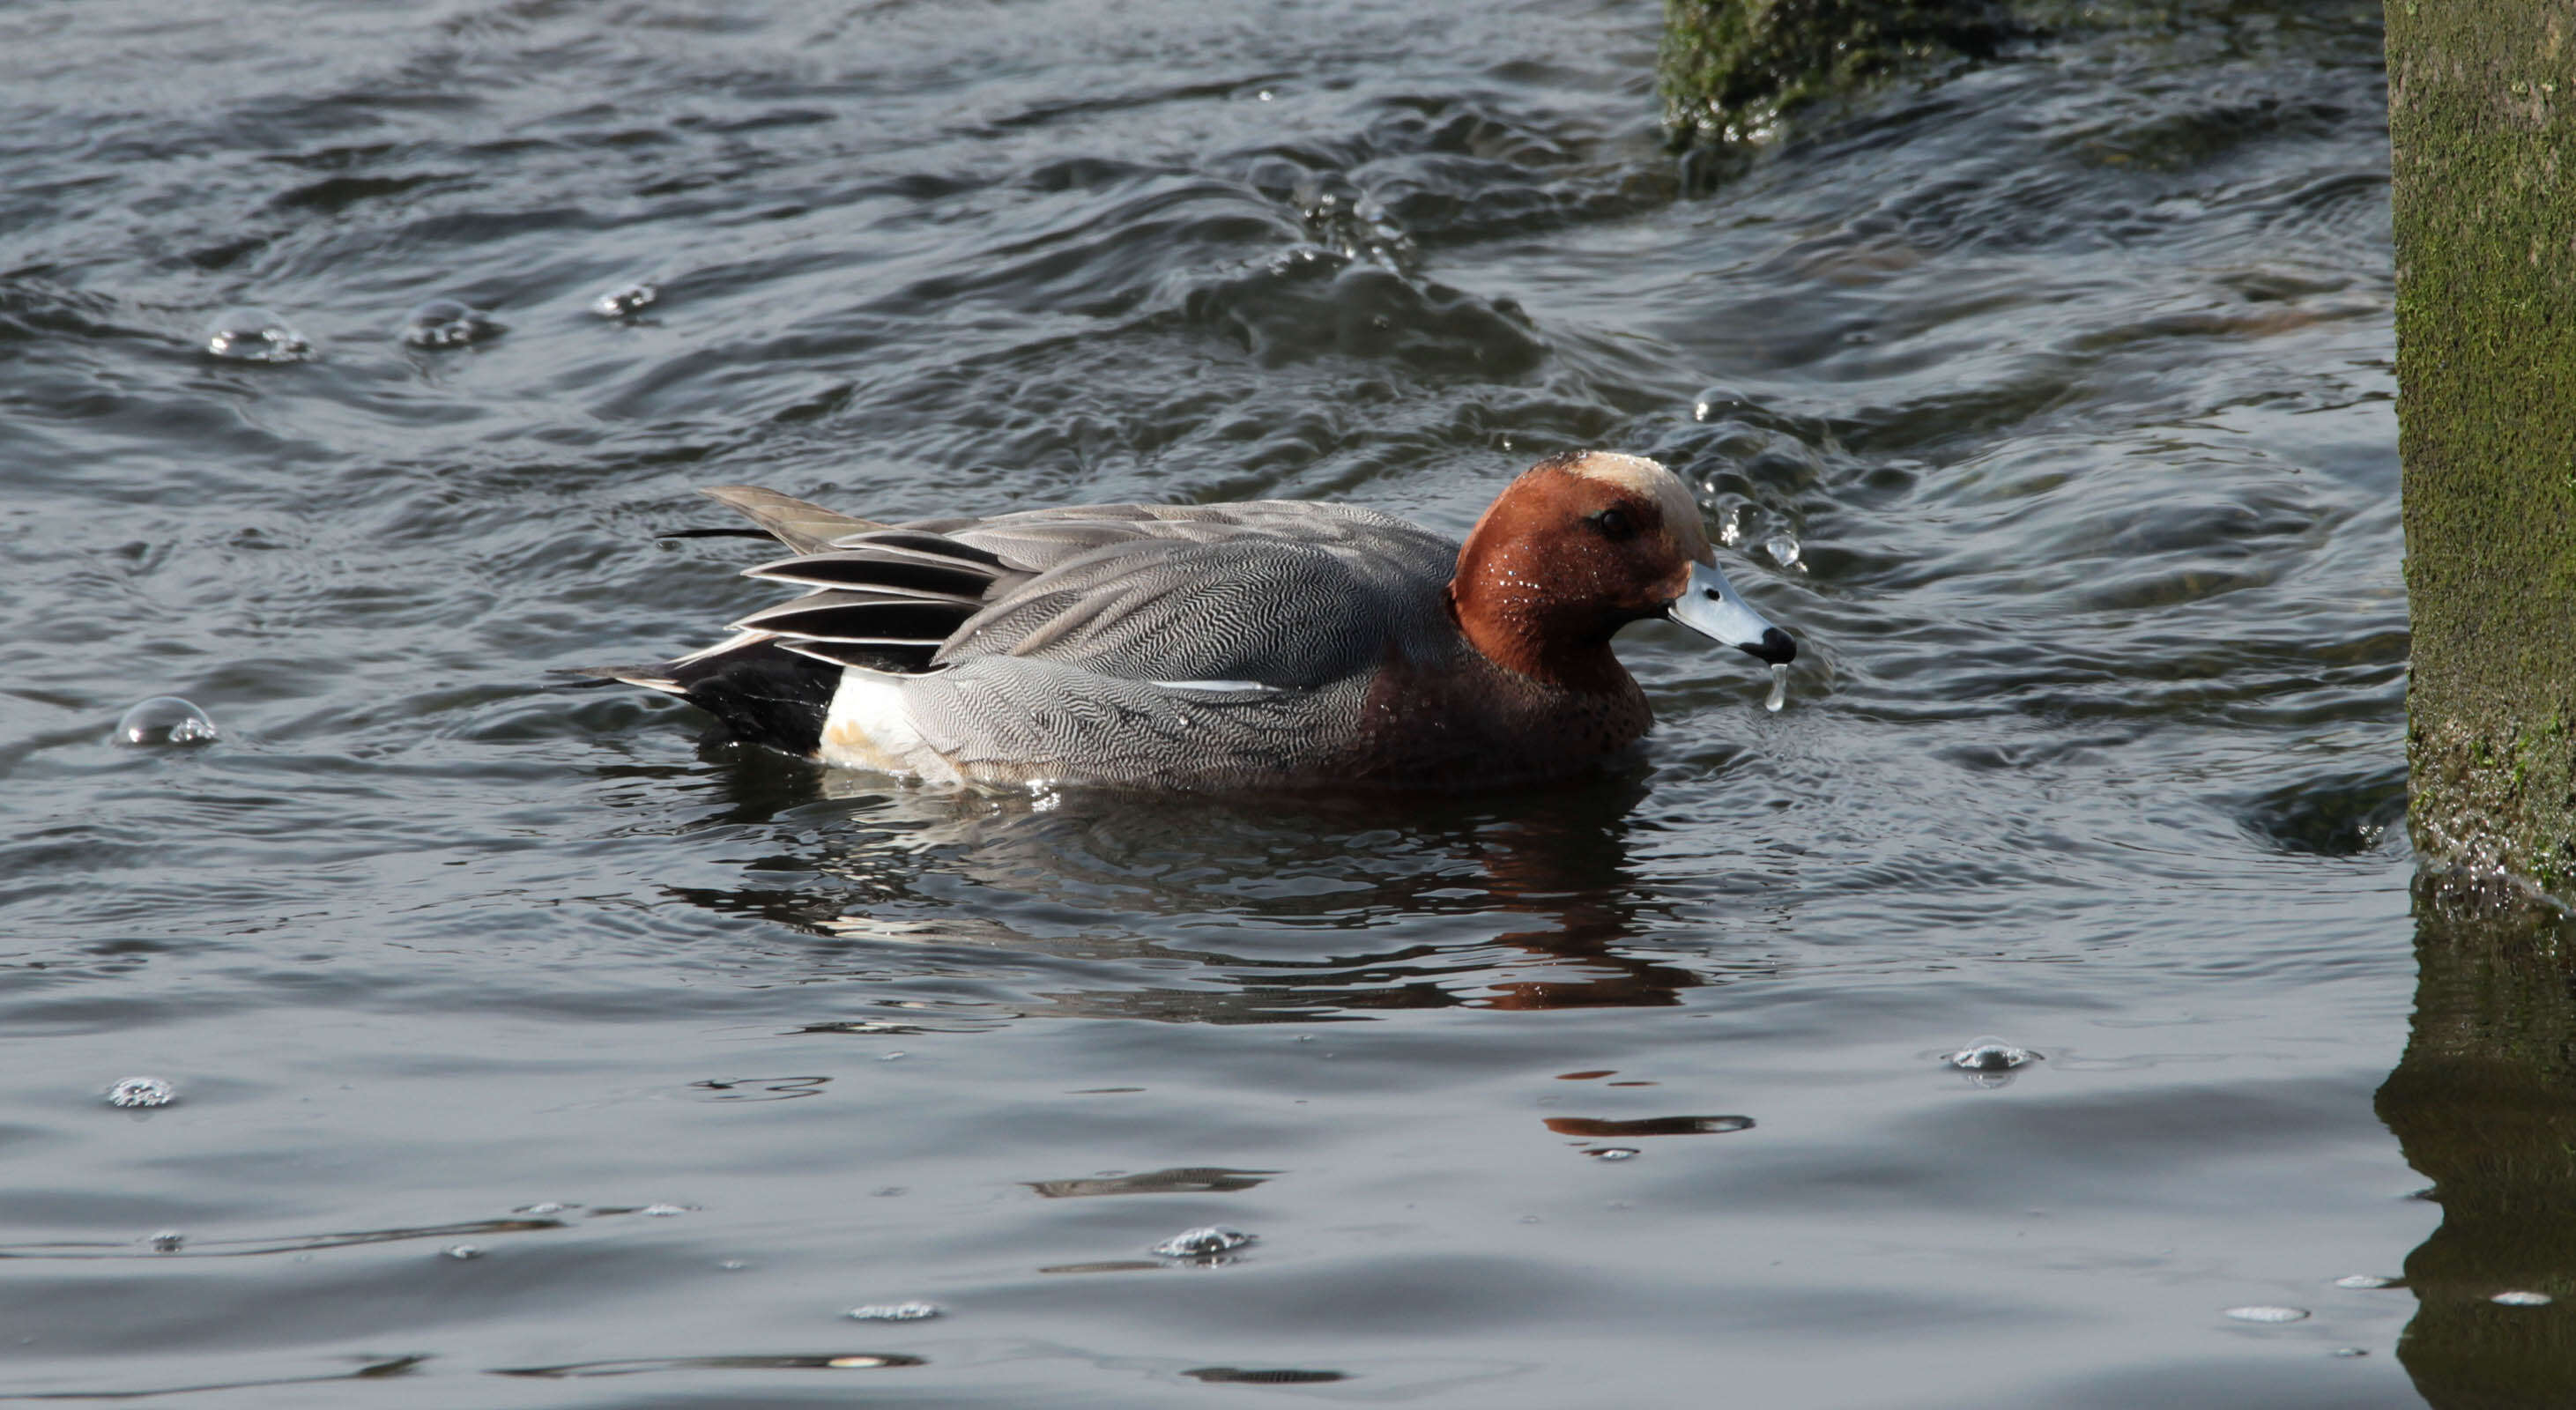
1710 607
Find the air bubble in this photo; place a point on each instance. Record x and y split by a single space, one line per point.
256 335
1612 1152
627 299
165 720
1779 695
2522 1299
2270 1316
1990 1054
895 1312
1783 548
446 323
1203 1242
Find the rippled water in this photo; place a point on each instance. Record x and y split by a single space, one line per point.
2049 404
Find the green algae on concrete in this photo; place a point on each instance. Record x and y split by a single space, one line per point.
1731 68
2482 123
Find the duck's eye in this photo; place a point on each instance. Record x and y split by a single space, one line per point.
1615 524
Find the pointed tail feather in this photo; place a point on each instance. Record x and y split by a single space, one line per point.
806 528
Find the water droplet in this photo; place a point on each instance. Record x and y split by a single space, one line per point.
445 323
1730 526
2522 1299
1989 1054
1612 1152
256 335
167 1241
461 1252
2365 1280
1779 695
1783 548
626 299
2268 1315
162 720
663 1211
1203 1242
895 1312
142 1092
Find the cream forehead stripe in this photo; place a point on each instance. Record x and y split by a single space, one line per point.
1650 479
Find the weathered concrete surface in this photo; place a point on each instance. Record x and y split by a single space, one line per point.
1731 68
2482 119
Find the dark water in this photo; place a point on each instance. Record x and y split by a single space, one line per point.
2067 381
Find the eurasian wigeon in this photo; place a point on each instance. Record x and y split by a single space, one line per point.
1274 644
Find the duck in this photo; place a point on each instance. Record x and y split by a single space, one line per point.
1243 647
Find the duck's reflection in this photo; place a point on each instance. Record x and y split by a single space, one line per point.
1285 909
2484 1104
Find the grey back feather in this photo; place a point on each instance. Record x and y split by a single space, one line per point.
1284 593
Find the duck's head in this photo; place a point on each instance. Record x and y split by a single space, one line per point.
1581 545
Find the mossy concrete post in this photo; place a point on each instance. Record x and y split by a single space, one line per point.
2482 122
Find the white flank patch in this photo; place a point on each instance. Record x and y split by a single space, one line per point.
1221 687
870 727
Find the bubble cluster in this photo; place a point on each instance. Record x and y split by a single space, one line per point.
165 720
627 299
1203 1242
1990 1054
141 1092
446 323
256 335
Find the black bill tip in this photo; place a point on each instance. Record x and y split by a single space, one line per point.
1776 647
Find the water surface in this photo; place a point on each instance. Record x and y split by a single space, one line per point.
531 1051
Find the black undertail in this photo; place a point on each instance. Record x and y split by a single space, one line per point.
762 694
